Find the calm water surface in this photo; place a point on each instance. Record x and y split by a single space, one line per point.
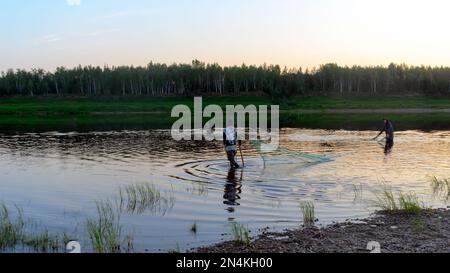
58 177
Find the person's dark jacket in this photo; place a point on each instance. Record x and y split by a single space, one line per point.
389 129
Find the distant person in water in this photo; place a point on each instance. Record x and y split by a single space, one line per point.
230 142
389 129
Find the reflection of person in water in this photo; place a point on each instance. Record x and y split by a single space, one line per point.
233 189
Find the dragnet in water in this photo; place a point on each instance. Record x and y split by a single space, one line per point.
283 163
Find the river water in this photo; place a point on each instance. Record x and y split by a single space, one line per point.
58 177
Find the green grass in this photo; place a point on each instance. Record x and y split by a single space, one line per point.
423 121
441 187
15 233
105 232
85 123
89 106
241 234
37 115
308 213
11 230
52 106
409 202
144 197
387 201
332 102
43 242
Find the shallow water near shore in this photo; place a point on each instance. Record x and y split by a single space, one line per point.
58 177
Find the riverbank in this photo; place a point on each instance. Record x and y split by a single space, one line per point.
42 106
117 122
65 115
426 232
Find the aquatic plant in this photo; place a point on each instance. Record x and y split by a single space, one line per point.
43 242
441 187
139 198
194 228
16 232
308 212
357 192
386 200
409 202
405 202
241 234
11 230
105 232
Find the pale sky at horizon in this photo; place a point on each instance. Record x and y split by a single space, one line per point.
51 33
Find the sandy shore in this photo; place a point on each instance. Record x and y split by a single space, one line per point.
427 232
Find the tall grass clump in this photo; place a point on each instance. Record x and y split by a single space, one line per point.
409 202
105 232
11 230
139 198
241 234
43 242
441 187
386 200
16 233
308 212
403 202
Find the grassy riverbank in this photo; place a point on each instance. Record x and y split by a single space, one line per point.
47 106
46 114
86 122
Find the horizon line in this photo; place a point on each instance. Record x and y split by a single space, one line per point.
285 67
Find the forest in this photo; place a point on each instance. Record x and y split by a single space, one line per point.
199 78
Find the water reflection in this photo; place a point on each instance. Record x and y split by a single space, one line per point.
57 177
386 146
233 189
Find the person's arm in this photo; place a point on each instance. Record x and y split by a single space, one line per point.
382 131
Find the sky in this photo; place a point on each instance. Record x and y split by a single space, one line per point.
293 33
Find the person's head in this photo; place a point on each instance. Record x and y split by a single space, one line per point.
385 121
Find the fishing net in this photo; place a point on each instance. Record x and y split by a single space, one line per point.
285 163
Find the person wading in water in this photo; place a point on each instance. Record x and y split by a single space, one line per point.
389 129
230 142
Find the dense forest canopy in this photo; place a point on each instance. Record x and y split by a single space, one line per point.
211 79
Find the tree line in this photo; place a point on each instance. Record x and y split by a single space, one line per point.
212 79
